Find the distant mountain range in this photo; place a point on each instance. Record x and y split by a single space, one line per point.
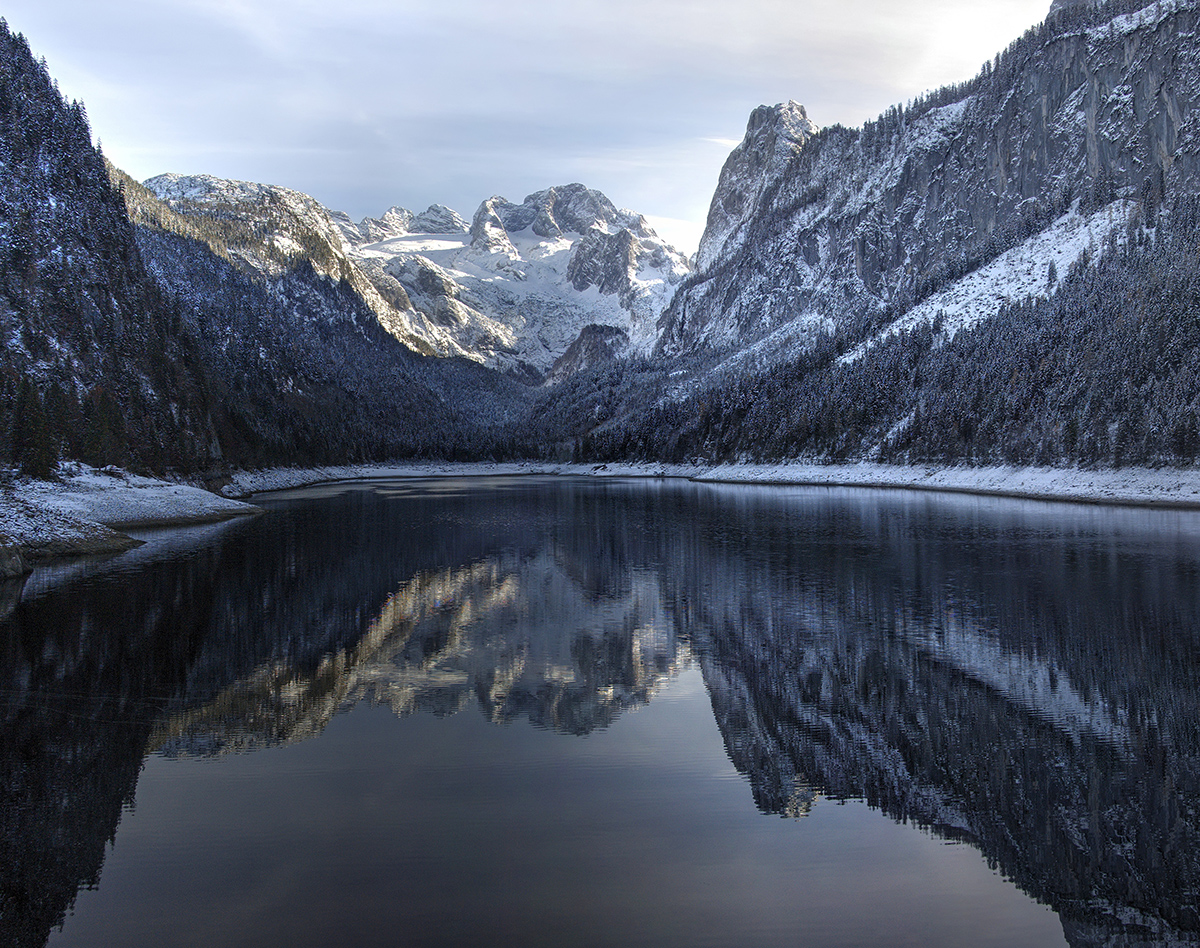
998 271
509 290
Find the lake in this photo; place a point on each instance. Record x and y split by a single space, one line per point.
549 711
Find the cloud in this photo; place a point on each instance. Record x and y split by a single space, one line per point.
366 103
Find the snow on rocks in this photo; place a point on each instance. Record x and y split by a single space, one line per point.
1017 274
84 510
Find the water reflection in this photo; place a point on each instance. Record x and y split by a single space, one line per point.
1022 677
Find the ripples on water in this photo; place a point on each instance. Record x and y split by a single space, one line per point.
1018 677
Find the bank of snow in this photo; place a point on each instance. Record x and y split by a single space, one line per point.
1173 487
1131 486
84 510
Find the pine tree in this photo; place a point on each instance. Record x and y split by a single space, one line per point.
33 447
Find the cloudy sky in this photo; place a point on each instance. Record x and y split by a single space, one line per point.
369 103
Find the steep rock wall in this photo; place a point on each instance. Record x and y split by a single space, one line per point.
858 224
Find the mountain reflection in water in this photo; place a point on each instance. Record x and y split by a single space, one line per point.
1021 677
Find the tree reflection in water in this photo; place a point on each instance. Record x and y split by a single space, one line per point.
1022 677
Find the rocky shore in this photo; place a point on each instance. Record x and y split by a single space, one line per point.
85 511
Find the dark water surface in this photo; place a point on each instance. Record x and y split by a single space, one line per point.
558 712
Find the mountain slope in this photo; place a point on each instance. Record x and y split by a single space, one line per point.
857 226
289 336
94 361
969 278
511 290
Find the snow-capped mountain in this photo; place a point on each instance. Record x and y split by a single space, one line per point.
996 272
311 357
516 287
268 229
511 290
999 271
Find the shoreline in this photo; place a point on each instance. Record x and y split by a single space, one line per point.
86 511
1172 488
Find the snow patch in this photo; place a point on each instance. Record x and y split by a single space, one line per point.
1017 274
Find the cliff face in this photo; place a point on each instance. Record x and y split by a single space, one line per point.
774 136
848 224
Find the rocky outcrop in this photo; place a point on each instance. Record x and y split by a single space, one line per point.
605 261
488 233
432 289
774 136
569 208
596 345
395 222
438 219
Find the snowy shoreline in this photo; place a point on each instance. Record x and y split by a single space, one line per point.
1135 487
86 510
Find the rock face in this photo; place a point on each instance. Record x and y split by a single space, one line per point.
488 233
596 345
845 225
571 208
774 136
438 219
395 221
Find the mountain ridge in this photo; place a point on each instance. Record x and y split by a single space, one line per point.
963 279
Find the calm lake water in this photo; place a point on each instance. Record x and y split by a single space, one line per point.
550 711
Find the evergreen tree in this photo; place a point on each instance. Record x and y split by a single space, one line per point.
35 452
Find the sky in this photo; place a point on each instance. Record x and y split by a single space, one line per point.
365 104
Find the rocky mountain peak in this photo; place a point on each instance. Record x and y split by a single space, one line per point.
439 219
566 209
395 222
206 187
488 231
400 221
572 208
774 135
